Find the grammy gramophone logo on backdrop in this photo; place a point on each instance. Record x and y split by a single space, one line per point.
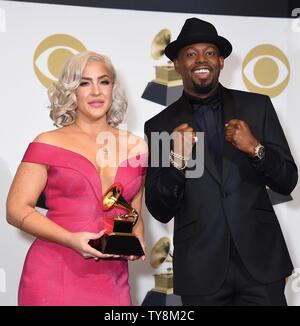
167 85
162 293
160 254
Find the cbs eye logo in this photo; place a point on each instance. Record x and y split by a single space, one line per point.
266 70
51 55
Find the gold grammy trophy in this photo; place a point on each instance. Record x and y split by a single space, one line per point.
159 255
121 241
162 293
166 88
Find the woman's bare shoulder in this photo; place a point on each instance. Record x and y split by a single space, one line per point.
51 137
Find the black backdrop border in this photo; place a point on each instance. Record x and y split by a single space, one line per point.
256 8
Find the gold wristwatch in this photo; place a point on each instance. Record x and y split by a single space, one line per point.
259 152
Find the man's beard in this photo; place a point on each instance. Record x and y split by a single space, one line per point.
206 87
203 89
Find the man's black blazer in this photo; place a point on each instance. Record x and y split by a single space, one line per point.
211 209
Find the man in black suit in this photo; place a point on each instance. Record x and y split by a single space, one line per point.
228 245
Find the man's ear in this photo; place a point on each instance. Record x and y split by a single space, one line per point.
221 60
176 66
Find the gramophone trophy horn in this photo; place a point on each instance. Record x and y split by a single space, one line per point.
113 197
159 255
162 293
121 241
167 85
159 43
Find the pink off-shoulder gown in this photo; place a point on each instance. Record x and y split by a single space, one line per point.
57 275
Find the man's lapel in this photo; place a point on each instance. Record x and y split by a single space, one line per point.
229 111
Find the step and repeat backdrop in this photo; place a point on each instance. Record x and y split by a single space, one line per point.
37 39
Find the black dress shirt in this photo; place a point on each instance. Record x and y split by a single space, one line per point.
209 117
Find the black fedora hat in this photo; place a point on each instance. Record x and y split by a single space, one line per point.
196 30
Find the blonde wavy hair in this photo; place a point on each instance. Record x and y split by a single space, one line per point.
63 99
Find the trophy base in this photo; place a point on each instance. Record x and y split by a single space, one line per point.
154 298
162 94
118 244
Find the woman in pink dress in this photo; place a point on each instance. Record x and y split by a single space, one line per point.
73 166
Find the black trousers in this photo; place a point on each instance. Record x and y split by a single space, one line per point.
240 289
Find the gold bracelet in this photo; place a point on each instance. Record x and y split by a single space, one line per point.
24 218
